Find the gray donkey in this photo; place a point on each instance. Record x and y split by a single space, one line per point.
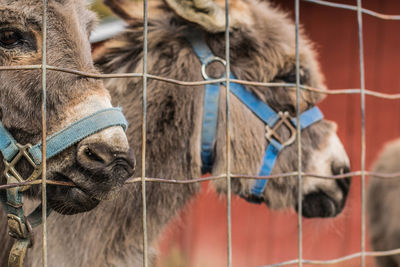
99 164
383 209
262 49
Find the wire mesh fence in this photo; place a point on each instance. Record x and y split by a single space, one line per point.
228 176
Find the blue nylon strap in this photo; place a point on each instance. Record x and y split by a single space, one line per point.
14 209
66 137
258 107
8 145
210 107
209 128
199 46
309 117
270 156
79 130
14 202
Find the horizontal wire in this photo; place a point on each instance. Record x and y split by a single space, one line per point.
218 177
194 83
338 260
354 8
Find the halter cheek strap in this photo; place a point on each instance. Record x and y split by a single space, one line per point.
20 226
272 119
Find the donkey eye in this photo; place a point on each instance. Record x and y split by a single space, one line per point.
10 38
291 109
292 78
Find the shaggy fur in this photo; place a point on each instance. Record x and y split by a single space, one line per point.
262 49
382 206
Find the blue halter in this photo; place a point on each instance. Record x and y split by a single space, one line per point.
66 137
13 152
272 119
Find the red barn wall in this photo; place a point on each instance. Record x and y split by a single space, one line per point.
261 236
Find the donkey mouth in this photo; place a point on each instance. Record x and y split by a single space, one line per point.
69 200
319 204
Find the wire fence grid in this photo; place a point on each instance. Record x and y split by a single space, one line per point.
362 91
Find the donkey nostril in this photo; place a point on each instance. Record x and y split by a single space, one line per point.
93 156
338 170
104 157
132 158
343 183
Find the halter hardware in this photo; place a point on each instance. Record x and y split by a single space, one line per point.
271 132
273 120
10 169
207 62
17 228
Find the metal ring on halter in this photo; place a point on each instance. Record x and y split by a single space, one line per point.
271 132
207 62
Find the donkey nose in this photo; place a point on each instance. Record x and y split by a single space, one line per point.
99 156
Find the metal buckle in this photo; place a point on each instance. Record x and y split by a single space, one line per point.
208 62
18 229
11 171
285 119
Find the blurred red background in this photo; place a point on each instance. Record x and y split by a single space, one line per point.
197 238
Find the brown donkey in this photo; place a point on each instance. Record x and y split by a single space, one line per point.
262 49
99 164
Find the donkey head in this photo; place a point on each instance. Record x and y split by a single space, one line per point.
262 48
99 164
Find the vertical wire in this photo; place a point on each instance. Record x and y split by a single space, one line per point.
228 138
44 131
144 102
363 142
298 132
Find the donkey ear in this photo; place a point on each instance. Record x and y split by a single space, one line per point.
207 13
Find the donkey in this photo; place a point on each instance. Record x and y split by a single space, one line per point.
382 206
262 49
97 165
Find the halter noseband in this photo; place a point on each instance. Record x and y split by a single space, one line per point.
272 119
20 227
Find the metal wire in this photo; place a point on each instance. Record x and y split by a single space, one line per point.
131 180
219 177
291 86
44 133
228 138
363 137
228 176
338 260
144 107
298 134
355 8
